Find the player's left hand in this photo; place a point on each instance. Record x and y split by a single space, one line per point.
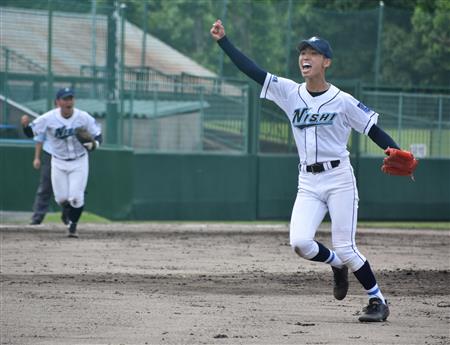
217 31
399 162
86 139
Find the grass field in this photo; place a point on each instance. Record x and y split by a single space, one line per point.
93 218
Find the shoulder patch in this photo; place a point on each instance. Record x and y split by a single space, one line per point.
364 108
275 79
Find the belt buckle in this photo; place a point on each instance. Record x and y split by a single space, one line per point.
317 166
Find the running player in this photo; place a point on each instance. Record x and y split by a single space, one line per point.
69 163
321 118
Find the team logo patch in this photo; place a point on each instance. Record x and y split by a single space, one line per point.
275 79
304 118
63 132
364 108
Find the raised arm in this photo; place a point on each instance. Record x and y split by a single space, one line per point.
241 61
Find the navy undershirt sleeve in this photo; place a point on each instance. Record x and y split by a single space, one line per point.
381 138
242 62
28 131
99 138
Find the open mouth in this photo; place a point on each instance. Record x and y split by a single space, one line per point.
306 66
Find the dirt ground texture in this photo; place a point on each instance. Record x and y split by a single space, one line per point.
194 283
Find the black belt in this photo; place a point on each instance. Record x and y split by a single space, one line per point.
70 159
319 167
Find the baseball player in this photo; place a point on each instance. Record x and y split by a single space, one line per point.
321 118
69 163
42 162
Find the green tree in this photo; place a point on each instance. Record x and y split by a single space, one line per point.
433 31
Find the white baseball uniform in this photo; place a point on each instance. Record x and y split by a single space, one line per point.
321 127
70 163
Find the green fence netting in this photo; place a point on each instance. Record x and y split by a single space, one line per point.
160 86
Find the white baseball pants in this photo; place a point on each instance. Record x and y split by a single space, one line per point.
69 180
332 191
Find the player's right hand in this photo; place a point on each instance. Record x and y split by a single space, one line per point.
91 146
25 120
37 163
217 31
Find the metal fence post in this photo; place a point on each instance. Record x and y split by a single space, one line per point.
130 119
111 102
154 128
245 101
49 57
439 126
400 116
224 20
253 121
378 51
144 36
288 39
5 86
122 71
202 118
94 44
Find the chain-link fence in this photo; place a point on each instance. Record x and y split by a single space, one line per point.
166 96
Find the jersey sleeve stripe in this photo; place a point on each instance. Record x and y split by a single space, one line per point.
367 128
268 84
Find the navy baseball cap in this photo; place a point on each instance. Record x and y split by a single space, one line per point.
65 92
318 44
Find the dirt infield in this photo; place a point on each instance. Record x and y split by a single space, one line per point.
212 284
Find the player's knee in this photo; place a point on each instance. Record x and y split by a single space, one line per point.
350 256
76 202
306 248
61 201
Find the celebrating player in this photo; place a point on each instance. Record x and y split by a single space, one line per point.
321 118
69 163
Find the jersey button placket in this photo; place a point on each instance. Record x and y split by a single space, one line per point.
71 147
311 144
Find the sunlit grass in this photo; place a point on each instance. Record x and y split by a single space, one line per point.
92 218
86 217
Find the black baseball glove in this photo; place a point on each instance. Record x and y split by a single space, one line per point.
85 138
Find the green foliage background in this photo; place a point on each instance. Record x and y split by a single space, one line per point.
415 47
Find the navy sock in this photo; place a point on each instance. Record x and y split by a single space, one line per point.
323 254
75 213
365 276
367 279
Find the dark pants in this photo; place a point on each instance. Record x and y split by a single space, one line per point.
44 191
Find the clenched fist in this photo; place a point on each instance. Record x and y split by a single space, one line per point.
217 31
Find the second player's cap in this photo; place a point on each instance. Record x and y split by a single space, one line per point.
65 92
317 43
